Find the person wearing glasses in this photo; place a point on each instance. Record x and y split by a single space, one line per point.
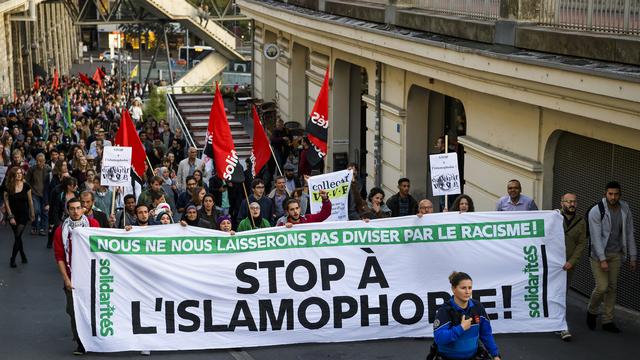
575 239
267 210
19 206
425 206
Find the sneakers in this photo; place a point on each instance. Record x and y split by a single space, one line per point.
611 327
565 335
591 320
79 350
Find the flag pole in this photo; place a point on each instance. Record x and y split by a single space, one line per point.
244 187
446 151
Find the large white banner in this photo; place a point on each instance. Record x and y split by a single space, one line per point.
445 175
116 166
168 287
337 185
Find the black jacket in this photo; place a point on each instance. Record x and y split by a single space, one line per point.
394 204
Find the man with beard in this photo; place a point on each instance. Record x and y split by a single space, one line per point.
142 217
62 249
292 182
294 214
575 238
255 221
129 211
191 217
87 198
611 233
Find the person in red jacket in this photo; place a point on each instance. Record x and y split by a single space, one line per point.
62 250
294 216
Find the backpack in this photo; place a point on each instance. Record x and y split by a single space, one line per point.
600 206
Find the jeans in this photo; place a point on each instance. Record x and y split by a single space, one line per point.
41 221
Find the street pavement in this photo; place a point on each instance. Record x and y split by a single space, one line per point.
34 325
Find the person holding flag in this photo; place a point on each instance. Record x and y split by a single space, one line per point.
318 125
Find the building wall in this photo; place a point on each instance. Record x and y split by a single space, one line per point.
51 42
512 108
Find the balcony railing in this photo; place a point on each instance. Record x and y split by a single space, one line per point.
612 16
479 9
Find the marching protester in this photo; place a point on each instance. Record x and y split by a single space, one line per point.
612 243
425 207
575 239
62 248
295 216
376 208
515 201
87 199
19 206
128 214
208 210
38 178
266 205
224 224
254 220
185 197
460 323
402 203
187 167
463 204
279 196
192 217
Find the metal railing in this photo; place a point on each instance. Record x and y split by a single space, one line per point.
612 16
479 9
175 120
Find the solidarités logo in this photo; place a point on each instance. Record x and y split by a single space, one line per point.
532 289
107 310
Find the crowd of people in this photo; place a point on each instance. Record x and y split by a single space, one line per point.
51 146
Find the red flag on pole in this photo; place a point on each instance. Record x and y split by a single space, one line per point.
56 80
318 124
128 136
97 77
36 84
261 152
102 74
219 143
84 78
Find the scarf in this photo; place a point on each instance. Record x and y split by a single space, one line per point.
67 226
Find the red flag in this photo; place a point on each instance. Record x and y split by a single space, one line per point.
36 84
318 124
219 143
56 80
84 78
102 74
97 77
261 152
128 136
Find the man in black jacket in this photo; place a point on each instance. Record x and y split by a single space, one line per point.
403 204
87 200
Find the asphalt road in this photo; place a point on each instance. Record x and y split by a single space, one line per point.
34 325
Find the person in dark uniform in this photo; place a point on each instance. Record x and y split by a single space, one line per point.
460 323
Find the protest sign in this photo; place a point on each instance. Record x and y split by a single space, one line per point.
3 173
445 177
116 166
169 287
337 185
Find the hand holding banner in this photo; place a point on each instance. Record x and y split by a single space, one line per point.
337 184
171 287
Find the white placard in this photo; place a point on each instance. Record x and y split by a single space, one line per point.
169 287
116 166
337 185
445 176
